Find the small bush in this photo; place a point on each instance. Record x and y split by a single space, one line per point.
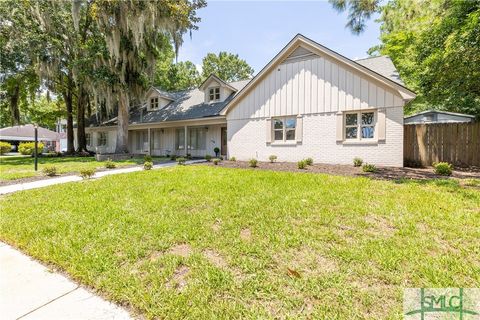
208 157
302 164
173 157
308 161
87 173
189 156
109 164
216 150
253 163
216 161
147 158
50 171
272 158
443 168
181 161
367 167
5 147
26 148
148 165
357 162
233 159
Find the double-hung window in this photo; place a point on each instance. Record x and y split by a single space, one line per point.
360 125
284 129
101 139
180 139
197 139
154 103
214 94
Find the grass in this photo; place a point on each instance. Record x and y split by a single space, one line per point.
17 167
206 242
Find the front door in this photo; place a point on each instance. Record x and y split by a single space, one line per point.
224 141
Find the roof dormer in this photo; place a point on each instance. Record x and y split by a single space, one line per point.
156 99
215 89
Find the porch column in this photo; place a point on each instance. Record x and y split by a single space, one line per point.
186 141
149 141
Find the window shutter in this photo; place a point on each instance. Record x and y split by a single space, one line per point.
299 129
268 131
339 131
381 120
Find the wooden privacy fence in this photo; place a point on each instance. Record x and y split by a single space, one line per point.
456 143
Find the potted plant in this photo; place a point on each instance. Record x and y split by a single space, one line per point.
217 151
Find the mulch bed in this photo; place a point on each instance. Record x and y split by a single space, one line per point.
384 173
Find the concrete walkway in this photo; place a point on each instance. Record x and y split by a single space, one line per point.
28 290
73 178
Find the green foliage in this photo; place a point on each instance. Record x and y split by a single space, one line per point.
216 150
49 171
357 162
443 168
308 161
367 167
253 163
435 46
272 158
233 159
5 147
216 161
302 164
173 157
227 66
109 164
27 148
87 173
208 157
147 158
178 76
148 165
181 161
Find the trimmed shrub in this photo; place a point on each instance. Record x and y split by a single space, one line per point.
87 173
216 150
181 161
308 161
357 162
147 158
173 157
302 164
109 164
367 167
272 158
216 161
5 147
253 163
26 148
443 168
148 165
232 159
49 171
208 157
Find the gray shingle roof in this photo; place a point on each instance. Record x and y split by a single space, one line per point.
186 105
382 65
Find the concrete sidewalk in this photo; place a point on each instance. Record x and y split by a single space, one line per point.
28 290
73 178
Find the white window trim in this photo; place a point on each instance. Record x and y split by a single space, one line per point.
154 103
359 126
284 130
214 94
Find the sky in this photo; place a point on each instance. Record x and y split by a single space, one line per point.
258 30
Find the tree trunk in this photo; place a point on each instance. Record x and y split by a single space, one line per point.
81 139
67 95
14 111
122 127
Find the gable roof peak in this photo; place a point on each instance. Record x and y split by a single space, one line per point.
213 76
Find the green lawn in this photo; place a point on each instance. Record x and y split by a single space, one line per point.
200 242
17 167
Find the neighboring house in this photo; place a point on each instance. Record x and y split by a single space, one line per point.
309 101
435 116
26 133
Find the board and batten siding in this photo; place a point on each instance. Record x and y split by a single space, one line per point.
310 86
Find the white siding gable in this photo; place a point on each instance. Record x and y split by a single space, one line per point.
313 85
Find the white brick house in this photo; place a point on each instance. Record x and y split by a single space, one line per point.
308 101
